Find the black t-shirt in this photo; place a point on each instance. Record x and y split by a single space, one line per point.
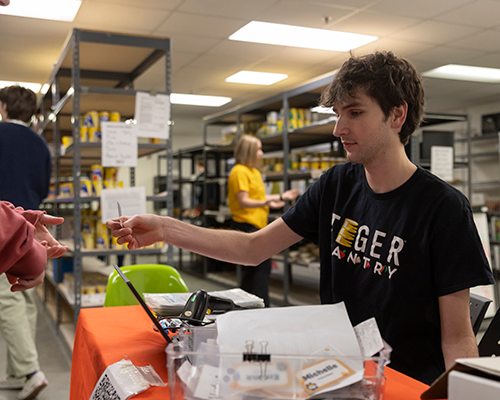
391 255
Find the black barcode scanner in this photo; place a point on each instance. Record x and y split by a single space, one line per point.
200 303
196 307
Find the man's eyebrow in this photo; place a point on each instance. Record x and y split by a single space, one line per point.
346 105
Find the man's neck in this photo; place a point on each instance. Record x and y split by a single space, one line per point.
389 174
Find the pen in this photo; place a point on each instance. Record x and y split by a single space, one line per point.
120 214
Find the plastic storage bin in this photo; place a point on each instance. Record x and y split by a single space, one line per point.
208 374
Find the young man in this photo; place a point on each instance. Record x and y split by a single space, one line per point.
396 243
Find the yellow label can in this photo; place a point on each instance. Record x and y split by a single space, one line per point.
103 117
94 135
96 172
85 188
114 116
110 173
84 132
91 119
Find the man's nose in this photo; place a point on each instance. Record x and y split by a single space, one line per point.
339 128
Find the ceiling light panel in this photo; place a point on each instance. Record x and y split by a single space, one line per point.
199 100
465 73
256 78
57 10
297 36
28 85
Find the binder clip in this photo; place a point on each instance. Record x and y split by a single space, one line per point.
263 358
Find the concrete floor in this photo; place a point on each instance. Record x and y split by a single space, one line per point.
53 362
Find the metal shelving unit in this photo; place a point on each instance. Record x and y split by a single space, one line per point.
95 71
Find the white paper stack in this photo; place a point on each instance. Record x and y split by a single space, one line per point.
173 303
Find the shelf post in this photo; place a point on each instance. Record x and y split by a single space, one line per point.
168 147
77 258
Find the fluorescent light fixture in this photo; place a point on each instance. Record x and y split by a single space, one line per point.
465 73
57 10
199 100
298 36
256 78
322 110
28 85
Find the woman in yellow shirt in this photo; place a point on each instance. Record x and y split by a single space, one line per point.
249 205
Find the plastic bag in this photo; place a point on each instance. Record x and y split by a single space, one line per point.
123 380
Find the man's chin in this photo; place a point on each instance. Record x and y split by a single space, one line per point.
4 2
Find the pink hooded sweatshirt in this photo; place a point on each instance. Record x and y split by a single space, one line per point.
20 254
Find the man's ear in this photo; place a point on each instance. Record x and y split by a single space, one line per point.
398 116
3 110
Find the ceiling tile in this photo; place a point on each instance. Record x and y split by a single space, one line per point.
33 28
481 14
127 19
181 60
435 32
191 44
427 32
370 23
26 67
417 9
491 60
238 9
305 57
203 70
442 55
303 14
200 25
245 50
402 48
348 4
486 41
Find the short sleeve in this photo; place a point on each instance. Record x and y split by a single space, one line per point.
457 255
303 217
239 181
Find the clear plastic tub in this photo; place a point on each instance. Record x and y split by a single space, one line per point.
208 374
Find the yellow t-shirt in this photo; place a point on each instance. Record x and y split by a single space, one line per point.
249 180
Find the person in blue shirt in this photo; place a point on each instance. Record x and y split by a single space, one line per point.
25 166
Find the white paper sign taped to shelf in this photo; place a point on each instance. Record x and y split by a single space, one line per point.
442 162
152 114
132 201
119 144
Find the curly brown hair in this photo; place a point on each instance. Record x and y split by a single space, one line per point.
21 102
389 80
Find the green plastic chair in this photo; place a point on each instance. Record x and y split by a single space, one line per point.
146 278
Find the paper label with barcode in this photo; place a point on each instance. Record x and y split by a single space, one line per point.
369 339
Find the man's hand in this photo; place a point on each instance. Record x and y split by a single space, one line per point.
138 231
43 236
23 284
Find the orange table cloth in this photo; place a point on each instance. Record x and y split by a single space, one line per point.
105 335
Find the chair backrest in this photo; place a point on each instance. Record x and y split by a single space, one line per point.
146 278
489 345
478 307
